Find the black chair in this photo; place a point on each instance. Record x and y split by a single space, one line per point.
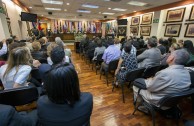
97 62
112 66
35 74
130 77
19 96
151 71
170 100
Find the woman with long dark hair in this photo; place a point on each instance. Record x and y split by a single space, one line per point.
64 104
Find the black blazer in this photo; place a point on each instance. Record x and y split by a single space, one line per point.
51 114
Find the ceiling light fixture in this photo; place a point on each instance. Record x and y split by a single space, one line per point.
106 0
58 9
119 9
107 13
42 15
51 2
68 4
90 6
65 9
137 3
134 11
99 12
30 7
84 11
109 8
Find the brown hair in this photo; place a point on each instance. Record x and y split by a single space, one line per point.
36 46
18 56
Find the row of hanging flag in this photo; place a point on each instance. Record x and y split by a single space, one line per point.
64 26
111 27
37 25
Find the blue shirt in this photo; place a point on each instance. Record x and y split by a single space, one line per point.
111 53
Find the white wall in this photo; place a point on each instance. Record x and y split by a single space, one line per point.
14 12
183 28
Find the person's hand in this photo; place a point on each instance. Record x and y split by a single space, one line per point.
36 63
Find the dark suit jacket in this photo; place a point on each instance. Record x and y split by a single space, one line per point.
51 114
10 117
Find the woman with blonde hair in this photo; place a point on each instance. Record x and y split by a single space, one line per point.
15 73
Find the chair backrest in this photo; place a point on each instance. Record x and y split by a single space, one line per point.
99 58
134 74
172 100
19 96
113 65
35 74
151 71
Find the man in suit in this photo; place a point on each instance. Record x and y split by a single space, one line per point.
151 56
173 79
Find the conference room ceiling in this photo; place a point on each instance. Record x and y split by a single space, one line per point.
70 11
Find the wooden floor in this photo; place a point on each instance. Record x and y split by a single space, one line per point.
108 108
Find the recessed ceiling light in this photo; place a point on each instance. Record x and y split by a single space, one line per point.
121 14
42 15
119 9
68 4
84 11
53 8
51 2
65 9
99 12
106 0
30 7
137 3
90 6
108 13
134 11
109 8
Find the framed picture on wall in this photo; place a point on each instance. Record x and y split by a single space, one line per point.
147 18
135 20
122 30
145 30
134 30
191 17
172 30
175 15
189 30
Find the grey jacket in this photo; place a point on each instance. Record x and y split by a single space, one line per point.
173 79
149 57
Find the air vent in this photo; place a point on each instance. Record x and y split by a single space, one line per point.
38 5
115 0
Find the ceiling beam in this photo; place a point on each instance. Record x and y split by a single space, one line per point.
167 6
17 2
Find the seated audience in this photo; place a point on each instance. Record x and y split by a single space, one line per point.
42 42
173 79
98 50
59 42
49 50
91 48
172 48
188 45
64 104
161 47
16 72
151 56
3 49
127 62
181 43
36 53
117 43
67 51
110 54
29 43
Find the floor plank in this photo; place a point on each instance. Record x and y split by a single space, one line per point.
109 110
